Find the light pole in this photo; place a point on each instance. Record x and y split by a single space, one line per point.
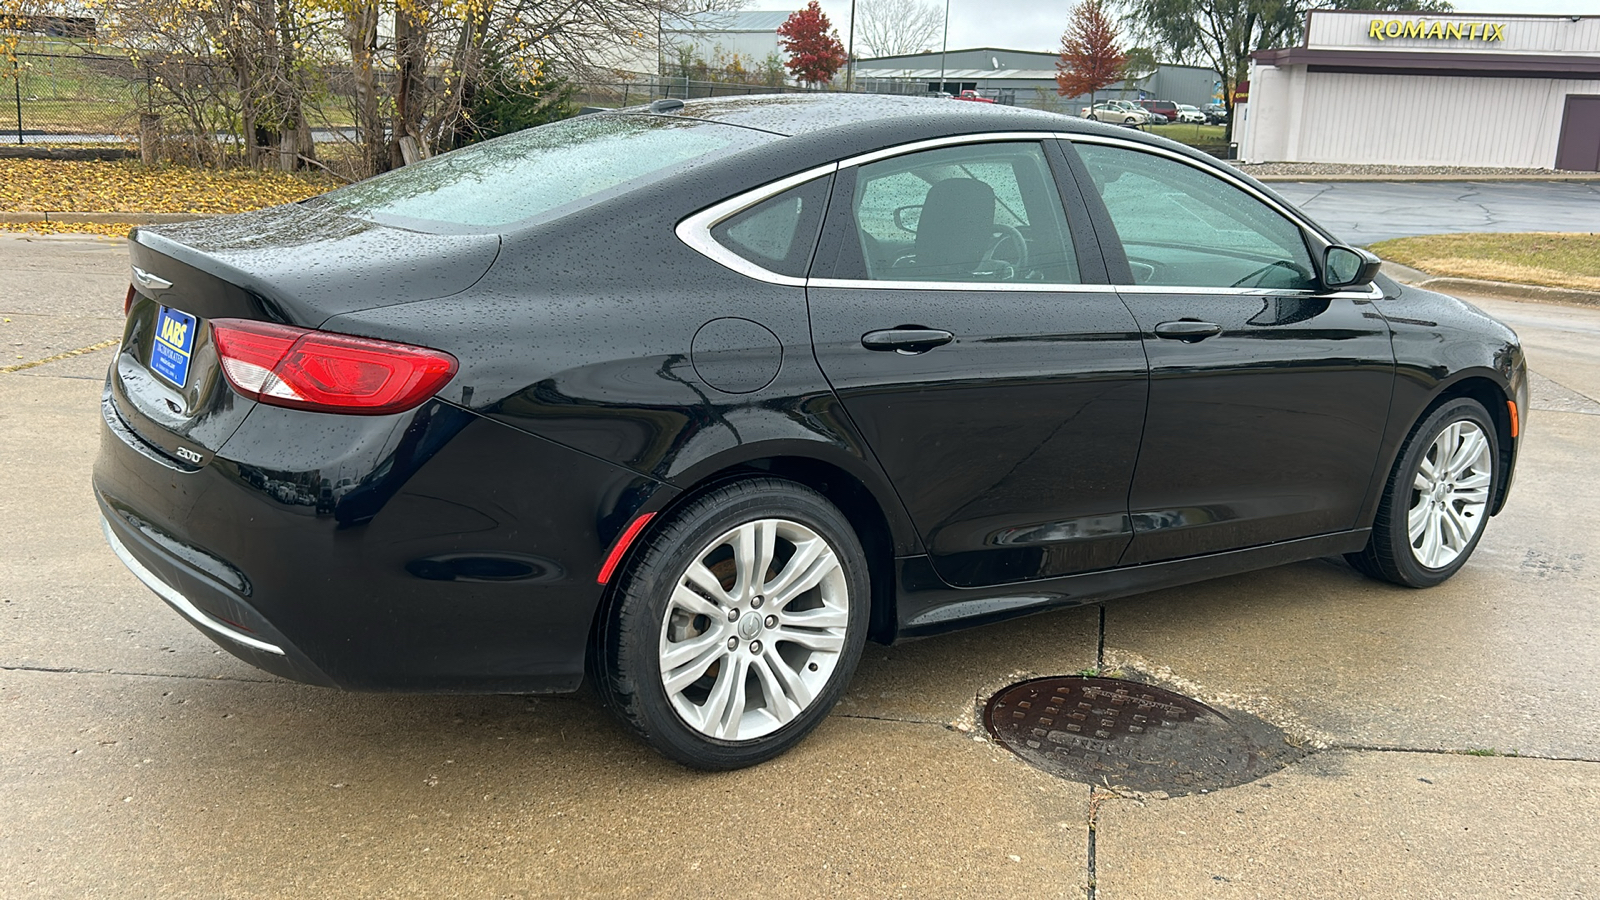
850 52
944 45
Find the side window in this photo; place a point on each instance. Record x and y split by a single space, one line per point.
980 213
779 233
1182 227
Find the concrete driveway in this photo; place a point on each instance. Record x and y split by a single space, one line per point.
1365 212
1456 731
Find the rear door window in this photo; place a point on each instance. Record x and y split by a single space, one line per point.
973 213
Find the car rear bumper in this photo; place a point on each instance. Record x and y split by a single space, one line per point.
246 633
432 551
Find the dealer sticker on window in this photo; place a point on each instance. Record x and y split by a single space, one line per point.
169 353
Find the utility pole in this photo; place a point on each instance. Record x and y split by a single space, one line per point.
850 52
944 46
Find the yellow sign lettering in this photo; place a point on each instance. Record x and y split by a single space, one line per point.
172 332
1422 29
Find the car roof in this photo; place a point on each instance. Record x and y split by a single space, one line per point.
793 115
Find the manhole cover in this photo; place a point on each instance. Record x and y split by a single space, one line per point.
1132 735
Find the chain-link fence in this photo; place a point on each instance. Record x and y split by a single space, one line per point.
64 94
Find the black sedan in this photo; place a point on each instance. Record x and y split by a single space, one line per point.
703 396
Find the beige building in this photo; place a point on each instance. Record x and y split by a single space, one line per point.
1420 89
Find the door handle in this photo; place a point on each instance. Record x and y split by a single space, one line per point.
906 339
1187 330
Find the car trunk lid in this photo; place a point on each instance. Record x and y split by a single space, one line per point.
291 265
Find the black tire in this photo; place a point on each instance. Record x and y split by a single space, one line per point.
1390 554
648 617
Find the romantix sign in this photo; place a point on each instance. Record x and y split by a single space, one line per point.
1486 32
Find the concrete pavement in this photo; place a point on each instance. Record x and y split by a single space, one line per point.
1365 212
138 760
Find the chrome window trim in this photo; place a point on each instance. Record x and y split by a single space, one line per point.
696 229
1014 286
178 601
1374 292
990 137
1041 287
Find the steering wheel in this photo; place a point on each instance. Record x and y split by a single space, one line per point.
1008 235
1275 264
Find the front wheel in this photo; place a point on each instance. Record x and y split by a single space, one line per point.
740 625
1437 498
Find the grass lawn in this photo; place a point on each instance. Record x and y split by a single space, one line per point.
38 185
1203 137
1543 258
72 87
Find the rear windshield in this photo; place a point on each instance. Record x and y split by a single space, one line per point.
539 172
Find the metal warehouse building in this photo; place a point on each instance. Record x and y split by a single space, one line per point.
1416 89
1027 78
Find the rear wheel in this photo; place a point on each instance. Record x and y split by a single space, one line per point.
1437 499
740 625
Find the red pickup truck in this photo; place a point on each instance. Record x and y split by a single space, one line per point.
973 96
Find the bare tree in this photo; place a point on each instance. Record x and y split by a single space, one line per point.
897 27
261 69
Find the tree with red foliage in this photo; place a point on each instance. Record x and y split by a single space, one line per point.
1090 58
815 51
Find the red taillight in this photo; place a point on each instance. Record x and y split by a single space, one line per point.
326 372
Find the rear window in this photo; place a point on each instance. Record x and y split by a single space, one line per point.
542 171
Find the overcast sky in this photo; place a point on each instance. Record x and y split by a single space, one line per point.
1037 24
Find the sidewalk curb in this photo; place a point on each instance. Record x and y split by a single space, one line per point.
1508 291
109 218
1504 290
1460 179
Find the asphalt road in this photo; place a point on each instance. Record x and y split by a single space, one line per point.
1366 212
1456 731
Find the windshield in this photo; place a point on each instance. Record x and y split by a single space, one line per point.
540 171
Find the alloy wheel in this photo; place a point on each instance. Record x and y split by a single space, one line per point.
1449 494
754 629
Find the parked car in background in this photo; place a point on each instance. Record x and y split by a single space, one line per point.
1119 112
699 396
974 96
1164 108
1157 119
1190 114
1216 113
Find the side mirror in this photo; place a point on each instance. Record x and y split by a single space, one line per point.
907 217
1348 267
